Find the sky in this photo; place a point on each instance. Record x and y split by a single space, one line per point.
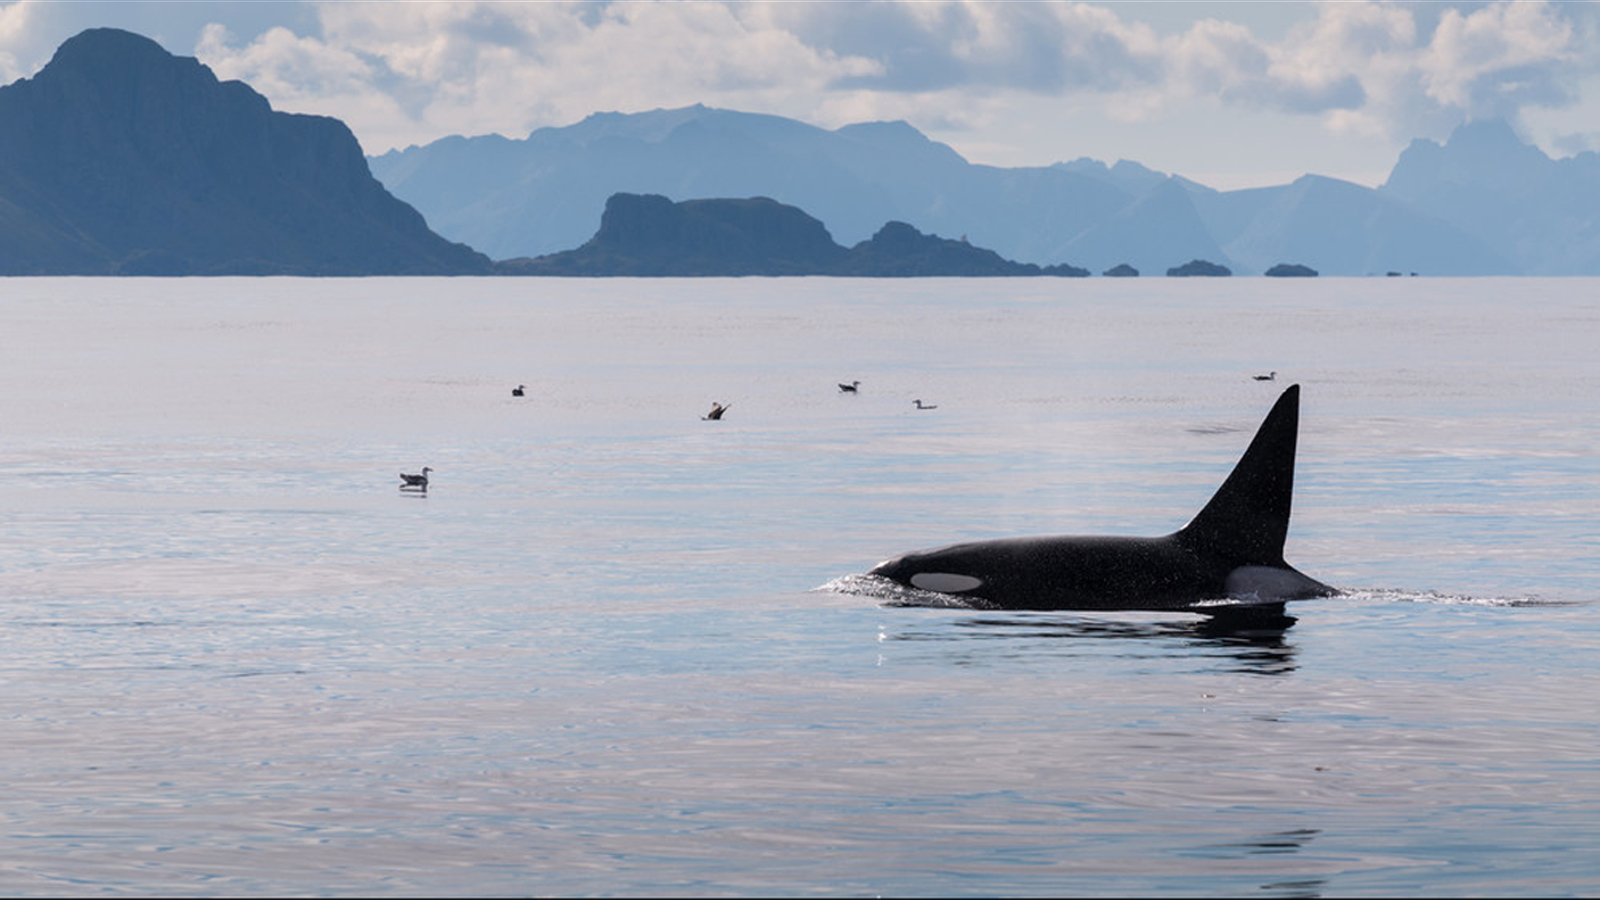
1231 94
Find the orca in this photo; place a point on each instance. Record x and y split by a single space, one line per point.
1230 556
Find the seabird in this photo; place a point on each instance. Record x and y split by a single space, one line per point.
517 391
1268 377
850 388
717 409
921 406
420 482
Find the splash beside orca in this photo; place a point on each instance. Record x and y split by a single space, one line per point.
1229 555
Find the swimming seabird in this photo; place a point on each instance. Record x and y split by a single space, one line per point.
850 388
717 409
420 482
517 391
1267 377
921 406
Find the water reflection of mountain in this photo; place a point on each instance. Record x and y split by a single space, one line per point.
1254 644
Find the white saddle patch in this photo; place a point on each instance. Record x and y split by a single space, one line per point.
1269 584
945 582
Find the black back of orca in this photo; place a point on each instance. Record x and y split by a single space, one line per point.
1232 549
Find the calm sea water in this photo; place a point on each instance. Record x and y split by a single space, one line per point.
615 649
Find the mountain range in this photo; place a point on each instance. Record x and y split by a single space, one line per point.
1483 203
120 158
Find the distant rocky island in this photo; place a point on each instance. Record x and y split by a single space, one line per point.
1199 267
1290 270
651 236
119 158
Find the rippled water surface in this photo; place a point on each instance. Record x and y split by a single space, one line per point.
619 650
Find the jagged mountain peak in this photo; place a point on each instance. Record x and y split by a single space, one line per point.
1482 152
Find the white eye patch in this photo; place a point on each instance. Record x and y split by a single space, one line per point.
945 582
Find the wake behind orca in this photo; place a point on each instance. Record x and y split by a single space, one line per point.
1229 556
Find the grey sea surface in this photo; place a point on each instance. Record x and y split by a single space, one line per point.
617 649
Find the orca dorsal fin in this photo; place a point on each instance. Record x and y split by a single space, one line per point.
1247 519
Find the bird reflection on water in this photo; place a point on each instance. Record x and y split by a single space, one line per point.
1256 642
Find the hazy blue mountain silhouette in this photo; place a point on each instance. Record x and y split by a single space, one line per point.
648 235
1156 231
120 158
545 193
1345 228
1542 213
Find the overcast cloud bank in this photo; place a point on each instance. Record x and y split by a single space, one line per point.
1005 83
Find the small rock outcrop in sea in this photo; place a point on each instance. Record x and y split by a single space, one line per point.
1291 270
648 235
1199 267
1121 270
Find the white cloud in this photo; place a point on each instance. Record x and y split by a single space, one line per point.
1218 59
296 69
1367 67
410 72
1493 60
918 46
15 21
415 71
